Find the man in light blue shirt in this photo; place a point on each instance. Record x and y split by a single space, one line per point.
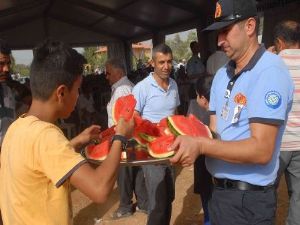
157 97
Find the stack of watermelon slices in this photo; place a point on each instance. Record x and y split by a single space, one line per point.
156 138
170 127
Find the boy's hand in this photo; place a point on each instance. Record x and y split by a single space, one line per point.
125 128
92 133
86 136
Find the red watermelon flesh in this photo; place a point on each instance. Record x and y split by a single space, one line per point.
99 151
123 107
159 147
145 127
137 120
141 154
163 127
137 153
108 132
182 125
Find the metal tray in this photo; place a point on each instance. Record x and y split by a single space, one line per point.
133 159
150 161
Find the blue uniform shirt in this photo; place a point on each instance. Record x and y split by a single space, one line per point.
153 102
262 93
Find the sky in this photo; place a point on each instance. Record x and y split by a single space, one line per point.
25 56
22 56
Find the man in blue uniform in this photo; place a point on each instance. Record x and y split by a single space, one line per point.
249 103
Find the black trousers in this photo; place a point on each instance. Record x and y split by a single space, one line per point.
131 181
235 207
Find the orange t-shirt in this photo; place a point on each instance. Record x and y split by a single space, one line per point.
36 162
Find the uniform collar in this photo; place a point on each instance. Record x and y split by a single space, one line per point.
230 67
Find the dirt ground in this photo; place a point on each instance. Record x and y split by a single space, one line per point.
186 206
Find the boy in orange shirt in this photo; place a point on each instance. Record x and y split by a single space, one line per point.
38 163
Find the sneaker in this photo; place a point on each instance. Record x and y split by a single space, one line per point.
137 209
118 214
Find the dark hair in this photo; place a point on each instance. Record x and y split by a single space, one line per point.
193 43
203 86
4 48
162 48
288 30
54 63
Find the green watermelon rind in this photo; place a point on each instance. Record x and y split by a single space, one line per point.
94 158
177 131
160 156
172 128
147 137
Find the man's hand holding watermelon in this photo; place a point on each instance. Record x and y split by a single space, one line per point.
187 149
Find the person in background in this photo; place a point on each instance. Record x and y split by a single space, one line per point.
287 45
215 61
86 106
131 178
37 169
194 67
202 178
157 97
7 96
249 104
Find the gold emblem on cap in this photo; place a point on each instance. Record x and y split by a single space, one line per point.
218 11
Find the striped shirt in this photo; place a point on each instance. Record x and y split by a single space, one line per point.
291 137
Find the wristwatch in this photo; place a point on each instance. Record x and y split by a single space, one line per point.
121 138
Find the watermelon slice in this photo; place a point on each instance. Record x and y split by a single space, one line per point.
182 125
145 127
159 147
163 127
108 132
123 107
141 154
147 137
99 151
138 152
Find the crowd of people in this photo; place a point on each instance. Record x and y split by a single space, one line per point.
247 95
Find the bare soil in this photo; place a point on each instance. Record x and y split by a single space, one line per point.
186 206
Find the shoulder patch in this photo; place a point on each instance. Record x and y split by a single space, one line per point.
273 99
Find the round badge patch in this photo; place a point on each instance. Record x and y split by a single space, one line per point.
273 99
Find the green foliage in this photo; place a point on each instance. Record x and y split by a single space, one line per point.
135 61
93 59
181 48
22 69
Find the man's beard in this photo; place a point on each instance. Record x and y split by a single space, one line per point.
4 77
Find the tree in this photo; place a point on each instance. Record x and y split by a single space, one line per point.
181 48
22 69
93 59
